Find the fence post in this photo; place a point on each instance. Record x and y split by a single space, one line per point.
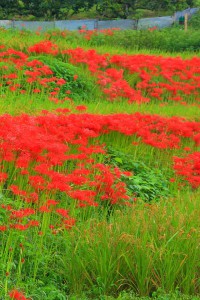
96 24
174 18
186 22
135 24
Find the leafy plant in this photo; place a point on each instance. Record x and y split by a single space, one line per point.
146 183
79 87
195 21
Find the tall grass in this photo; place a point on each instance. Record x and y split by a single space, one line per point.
142 249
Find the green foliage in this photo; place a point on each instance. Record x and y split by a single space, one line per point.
146 183
159 295
50 9
168 40
46 9
194 22
81 88
116 9
166 4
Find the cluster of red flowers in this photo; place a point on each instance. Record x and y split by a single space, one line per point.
42 149
15 294
44 47
83 31
189 168
153 28
156 77
94 32
22 75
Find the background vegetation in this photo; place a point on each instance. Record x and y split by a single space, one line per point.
65 9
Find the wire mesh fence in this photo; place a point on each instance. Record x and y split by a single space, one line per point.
122 24
75 24
34 25
189 12
159 22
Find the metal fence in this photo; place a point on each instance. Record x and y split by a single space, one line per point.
160 22
75 24
189 11
122 24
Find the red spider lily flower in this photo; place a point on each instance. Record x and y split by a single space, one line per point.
63 212
69 223
60 81
23 91
20 227
3 227
7 207
15 294
21 213
3 176
46 47
81 107
154 66
153 28
11 76
62 110
44 208
16 191
51 202
36 91
33 223
189 168
172 180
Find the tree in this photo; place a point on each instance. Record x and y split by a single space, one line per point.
165 4
78 5
10 7
32 7
116 8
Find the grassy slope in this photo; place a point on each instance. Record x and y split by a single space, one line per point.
93 103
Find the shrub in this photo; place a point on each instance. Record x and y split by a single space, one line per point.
146 183
80 87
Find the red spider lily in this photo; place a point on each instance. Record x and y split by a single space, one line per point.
35 73
3 177
46 47
43 145
21 213
15 294
153 28
63 212
81 107
189 168
147 68
3 227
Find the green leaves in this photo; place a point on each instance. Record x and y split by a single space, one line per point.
79 88
145 183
